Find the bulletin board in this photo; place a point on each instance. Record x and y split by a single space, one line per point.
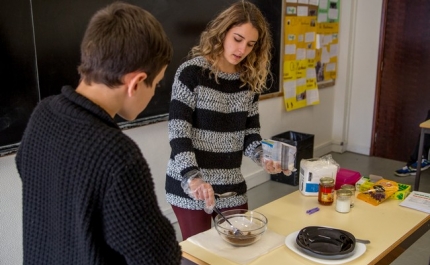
311 30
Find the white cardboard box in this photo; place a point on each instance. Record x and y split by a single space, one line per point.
311 171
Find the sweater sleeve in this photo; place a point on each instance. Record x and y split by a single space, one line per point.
252 134
133 223
182 105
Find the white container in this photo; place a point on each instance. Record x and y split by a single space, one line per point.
343 201
311 171
352 189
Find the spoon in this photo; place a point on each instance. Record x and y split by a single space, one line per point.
363 241
225 194
236 232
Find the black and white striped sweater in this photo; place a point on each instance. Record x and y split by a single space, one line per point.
211 126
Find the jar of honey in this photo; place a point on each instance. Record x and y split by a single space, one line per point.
326 191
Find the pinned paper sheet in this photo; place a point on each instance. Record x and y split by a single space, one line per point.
310 54
333 14
333 50
290 49
312 96
322 17
290 88
302 11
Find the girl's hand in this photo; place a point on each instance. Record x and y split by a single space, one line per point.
271 167
201 190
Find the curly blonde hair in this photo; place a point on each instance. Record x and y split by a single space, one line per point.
254 68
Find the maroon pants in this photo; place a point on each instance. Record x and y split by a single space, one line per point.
193 222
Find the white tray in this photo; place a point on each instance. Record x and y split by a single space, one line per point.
290 241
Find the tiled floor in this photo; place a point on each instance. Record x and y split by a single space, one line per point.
417 254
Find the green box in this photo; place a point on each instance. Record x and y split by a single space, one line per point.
402 193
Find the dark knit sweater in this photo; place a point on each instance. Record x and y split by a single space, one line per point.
211 126
88 195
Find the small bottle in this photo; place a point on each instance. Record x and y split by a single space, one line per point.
343 201
326 190
352 189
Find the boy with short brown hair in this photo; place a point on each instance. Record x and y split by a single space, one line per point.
88 195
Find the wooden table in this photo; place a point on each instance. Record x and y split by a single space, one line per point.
425 128
390 228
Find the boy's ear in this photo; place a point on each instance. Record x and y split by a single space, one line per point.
133 80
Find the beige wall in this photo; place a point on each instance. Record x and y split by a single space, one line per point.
343 115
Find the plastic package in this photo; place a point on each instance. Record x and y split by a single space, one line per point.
281 153
378 192
312 170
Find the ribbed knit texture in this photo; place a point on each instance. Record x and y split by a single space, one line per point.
211 126
88 194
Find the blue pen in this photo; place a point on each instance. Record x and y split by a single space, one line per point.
313 210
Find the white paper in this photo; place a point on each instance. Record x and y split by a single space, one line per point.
291 10
333 13
322 17
300 54
333 50
302 11
290 49
327 39
323 4
310 54
310 73
325 56
417 200
310 37
289 89
330 67
313 2
303 2
312 96
291 1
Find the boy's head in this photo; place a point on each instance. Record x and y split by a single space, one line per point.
121 39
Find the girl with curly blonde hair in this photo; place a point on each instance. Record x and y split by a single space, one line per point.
214 118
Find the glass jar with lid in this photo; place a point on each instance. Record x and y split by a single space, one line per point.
326 191
352 189
343 201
